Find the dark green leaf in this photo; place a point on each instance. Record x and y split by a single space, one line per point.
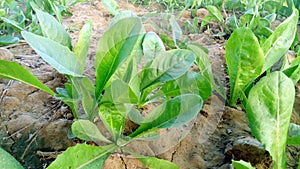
7 40
83 156
269 110
115 47
172 113
167 66
8 161
14 71
244 59
280 41
294 135
58 56
88 131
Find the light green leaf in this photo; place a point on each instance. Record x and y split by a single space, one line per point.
189 83
13 23
172 113
215 12
7 40
155 163
83 44
83 156
114 48
280 41
294 135
8 161
14 71
58 56
176 30
118 93
244 59
242 165
167 66
152 45
202 61
111 6
114 118
269 110
52 29
88 131
121 15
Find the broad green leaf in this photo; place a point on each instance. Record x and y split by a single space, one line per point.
7 40
294 135
14 71
83 44
83 156
215 12
172 113
111 6
155 163
189 83
176 30
52 29
118 93
167 66
269 110
242 165
88 131
202 61
293 73
280 41
244 59
13 23
114 118
85 89
114 48
8 161
120 16
152 45
58 56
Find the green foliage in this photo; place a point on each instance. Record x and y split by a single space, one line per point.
111 6
269 110
244 59
294 135
8 161
241 165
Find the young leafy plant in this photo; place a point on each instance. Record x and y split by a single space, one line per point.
130 74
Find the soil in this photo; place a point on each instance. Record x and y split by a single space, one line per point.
34 126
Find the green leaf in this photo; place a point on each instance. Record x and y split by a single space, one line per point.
176 30
15 24
215 12
8 161
114 118
167 66
202 61
85 89
114 48
242 165
52 29
111 6
7 40
172 113
83 44
269 110
152 46
120 16
14 71
118 93
58 56
280 41
189 83
83 156
244 59
88 131
294 135
155 163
